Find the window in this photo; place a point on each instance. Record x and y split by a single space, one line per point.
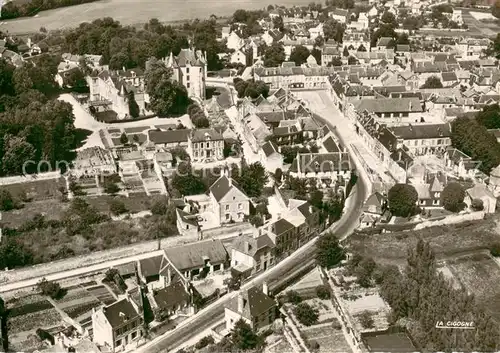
435 202
187 78
134 334
118 343
227 216
227 207
187 85
240 206
187 71
422 202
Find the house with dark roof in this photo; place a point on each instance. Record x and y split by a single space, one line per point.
187 224
462 165
423 139
254 306
172 299
205 145
229 201
118 325
251 255
391 108
271 157
191 259
166 139
189 69
429 191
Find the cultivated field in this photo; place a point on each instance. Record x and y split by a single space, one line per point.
37 190
446 241
479 275
330 340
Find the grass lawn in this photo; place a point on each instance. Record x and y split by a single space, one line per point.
37 190
51 209
137 202
479 275
136 129
446 241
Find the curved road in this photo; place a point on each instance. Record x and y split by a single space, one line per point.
215 312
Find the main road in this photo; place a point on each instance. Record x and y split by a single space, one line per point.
303 256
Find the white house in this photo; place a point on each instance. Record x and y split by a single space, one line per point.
238 57
317 31
270 156
190 70
234 41
229 202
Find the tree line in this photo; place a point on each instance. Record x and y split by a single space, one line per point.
31 8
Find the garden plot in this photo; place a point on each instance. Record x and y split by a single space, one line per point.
367 301
38 190
329 339
325 309
479 275
102 294
77 302
26 315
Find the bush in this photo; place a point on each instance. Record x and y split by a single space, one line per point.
306 314
477 205
453 197
44 335
366 320
111 188
322 292
205 341
313 345
51 289
293 297
495 250
117 207
6 201
160 207
402 200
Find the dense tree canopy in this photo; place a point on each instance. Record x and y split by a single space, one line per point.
329 252
432 82
418 293
299 55
333 30
243 336
453 197
15 9
251 88
402 200
167 96
252 179
489 117
274 55
474 140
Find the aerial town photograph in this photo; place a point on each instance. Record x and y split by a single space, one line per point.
216 176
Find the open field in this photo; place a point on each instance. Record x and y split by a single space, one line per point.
446 241
136 202
479 275
50 209
131 12
37 190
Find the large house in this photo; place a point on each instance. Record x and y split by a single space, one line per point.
110 90
118 325
423 139
332 166
189 69
205 145
254 306
229 202
251 255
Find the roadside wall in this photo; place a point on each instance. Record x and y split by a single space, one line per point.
451 220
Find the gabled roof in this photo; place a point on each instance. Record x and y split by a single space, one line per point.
193 255
171 296
422 131
169 136
255 303
222 186
151 266
250 246
330 145
119 313
269 148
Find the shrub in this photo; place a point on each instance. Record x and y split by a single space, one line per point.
111 188
205 341
293 297
44 335
306 314
477 205
6 201
160 207
51 289
322 292
453 197
313 345
117 207
495 250
366 320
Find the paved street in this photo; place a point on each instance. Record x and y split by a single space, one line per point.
208 316
319 102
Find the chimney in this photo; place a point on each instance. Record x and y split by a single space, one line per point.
240 303
410 126
265 288
247 246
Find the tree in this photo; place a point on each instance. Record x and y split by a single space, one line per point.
274 55
117 207
322 292
6 201
351 60
453 197
111 188
278 23
333 30
345 53
319 41
388 18
402 200
51 289
18 155
167 96
252 179
124 139
316 53
329 253
299 55
366 320
361 48
495 9
160 207
432 82
75 79
243 337
477 205
306 314
205 341
336 61
133 107
293 297
489 116
14 254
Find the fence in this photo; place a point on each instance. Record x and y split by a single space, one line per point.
29 178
